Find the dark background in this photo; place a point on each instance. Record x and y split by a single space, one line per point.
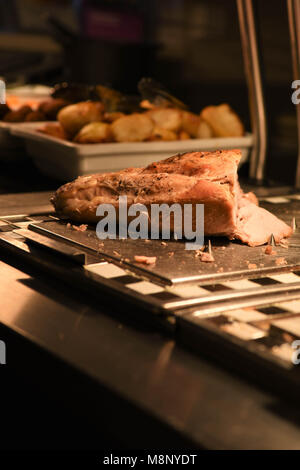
191 46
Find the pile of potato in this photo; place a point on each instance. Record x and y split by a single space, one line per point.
87 122
46 111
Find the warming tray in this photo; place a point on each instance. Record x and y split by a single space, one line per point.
184 280
174 264
11 146
247 319
67 160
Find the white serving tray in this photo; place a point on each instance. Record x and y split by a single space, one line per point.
11 147
66 160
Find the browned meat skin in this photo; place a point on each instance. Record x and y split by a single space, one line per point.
198 177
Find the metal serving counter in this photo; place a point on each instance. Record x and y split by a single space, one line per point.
138 384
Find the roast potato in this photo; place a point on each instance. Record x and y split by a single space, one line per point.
54 129
204 130
183 135
190 123
133 128
19 115
35 116
111 117
94 132
223 121
51 107
75 116
145 104
166 118
162 134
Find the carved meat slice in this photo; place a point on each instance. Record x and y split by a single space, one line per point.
255 225
208 178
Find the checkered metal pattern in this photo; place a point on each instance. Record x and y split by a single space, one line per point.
166 295
270 327
234 285
9 223
160 295
265 327
281 199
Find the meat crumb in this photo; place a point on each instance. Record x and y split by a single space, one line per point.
146 240
252 266
284 243
206 257
220 270
68 225
269 250
198 253
170 254
80 228
145 259
280 261
163 244
116 253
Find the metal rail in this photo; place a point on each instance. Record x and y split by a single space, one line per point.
294 24
256 97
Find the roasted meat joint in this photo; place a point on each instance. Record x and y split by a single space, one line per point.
149 229
208 178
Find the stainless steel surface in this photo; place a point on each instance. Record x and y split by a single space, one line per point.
171 300
294 24
183 266
179 280
248 297
136 373
53 245
25 203
208 310
89 282
256 97
184 392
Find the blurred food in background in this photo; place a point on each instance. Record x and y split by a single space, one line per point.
192 45
153 115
